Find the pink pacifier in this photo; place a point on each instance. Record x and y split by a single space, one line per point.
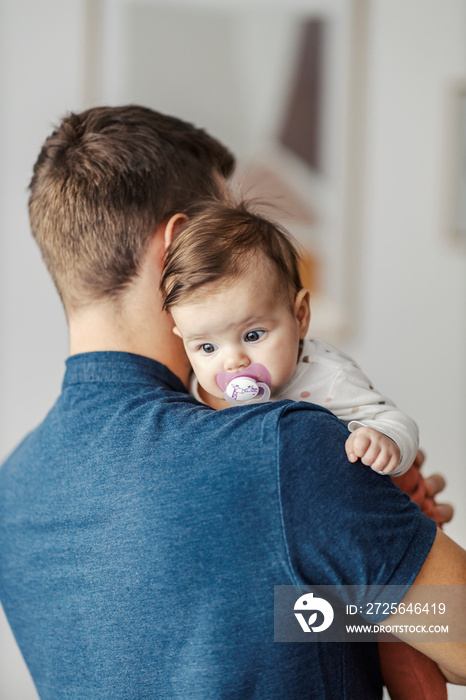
251 385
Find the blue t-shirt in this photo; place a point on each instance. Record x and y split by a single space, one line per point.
142 535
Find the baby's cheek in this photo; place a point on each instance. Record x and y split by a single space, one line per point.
207 380
197 369
281 375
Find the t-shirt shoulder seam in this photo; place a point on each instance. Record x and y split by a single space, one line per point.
294 577
428 537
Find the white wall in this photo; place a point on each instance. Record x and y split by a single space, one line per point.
411 336
41 47
41 55
412 330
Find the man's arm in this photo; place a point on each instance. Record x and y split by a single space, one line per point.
445 565
330 507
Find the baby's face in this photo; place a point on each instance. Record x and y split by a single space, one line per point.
241 322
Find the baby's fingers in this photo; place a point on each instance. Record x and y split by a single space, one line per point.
373 453
356 446
386 462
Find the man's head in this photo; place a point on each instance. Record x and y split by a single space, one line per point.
232 284
103 183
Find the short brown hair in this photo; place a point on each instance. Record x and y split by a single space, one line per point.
217 244
104 181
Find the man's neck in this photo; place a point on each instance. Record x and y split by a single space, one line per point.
131 328
135 322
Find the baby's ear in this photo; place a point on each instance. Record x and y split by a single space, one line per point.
302 311
177 332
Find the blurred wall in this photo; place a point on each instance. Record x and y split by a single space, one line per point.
41 77
42 47
410 337
412 325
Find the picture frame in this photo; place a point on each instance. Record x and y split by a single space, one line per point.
456 180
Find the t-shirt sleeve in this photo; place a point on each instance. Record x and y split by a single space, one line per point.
343 523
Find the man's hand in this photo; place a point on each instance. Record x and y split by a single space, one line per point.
373 449
434 484
445 566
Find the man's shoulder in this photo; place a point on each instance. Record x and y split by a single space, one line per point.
305 413
296 431
311 437
20 453
283 412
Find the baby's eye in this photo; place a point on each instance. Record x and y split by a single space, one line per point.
208 348
253 336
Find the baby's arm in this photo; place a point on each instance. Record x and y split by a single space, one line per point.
382 436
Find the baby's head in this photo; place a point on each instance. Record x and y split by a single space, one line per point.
231 282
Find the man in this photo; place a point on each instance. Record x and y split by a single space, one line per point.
141 533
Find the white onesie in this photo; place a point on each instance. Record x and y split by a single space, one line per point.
328 377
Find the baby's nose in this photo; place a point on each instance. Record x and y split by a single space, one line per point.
236 361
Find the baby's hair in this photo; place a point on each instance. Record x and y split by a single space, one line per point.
218 244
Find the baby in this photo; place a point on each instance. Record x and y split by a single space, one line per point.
231 282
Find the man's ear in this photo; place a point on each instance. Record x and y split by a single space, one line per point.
302 311
163 236
172 228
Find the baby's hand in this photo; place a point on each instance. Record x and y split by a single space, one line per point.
373 449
